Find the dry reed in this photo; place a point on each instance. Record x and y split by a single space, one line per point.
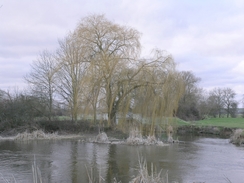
36 173
102 138
237 137
10 179
39 134
135 138
144 177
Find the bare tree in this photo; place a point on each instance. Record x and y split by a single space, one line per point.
242 101
42 79
71 74
233 109
229 100
19 108
93 93
216 101
189 105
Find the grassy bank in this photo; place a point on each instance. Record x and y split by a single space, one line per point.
223 127
218 122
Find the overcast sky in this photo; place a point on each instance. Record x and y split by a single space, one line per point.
204 36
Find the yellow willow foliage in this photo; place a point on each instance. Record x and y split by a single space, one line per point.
152 95
159 98
104 75
109 48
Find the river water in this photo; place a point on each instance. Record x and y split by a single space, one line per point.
197 159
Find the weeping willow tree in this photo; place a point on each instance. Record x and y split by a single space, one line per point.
110 48
102 71
163 87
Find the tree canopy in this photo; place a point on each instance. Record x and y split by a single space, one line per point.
99 70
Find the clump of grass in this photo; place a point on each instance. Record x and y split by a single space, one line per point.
102 138
135 138
36 173
38 134
10 179
237 137
93 179
144 177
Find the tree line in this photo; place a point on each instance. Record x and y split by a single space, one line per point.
97 70
196 103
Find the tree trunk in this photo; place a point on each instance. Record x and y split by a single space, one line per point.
112 118
74 115
95 115
152 130
228 111
50 107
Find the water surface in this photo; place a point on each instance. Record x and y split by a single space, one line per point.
199 159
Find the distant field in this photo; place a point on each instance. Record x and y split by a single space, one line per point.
223 122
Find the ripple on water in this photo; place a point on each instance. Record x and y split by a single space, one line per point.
198 159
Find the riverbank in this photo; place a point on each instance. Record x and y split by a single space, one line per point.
221 122
223 127
135 138
113 136
65 128
232 128
224 132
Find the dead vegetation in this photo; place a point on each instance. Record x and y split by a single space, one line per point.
36 173
94 179
39 134
144 176
102 138
135 138
4 179
237 137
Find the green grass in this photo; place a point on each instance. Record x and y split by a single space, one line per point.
181 122
221 122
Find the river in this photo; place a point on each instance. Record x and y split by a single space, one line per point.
197 159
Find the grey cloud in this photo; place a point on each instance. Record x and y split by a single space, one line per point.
203 36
